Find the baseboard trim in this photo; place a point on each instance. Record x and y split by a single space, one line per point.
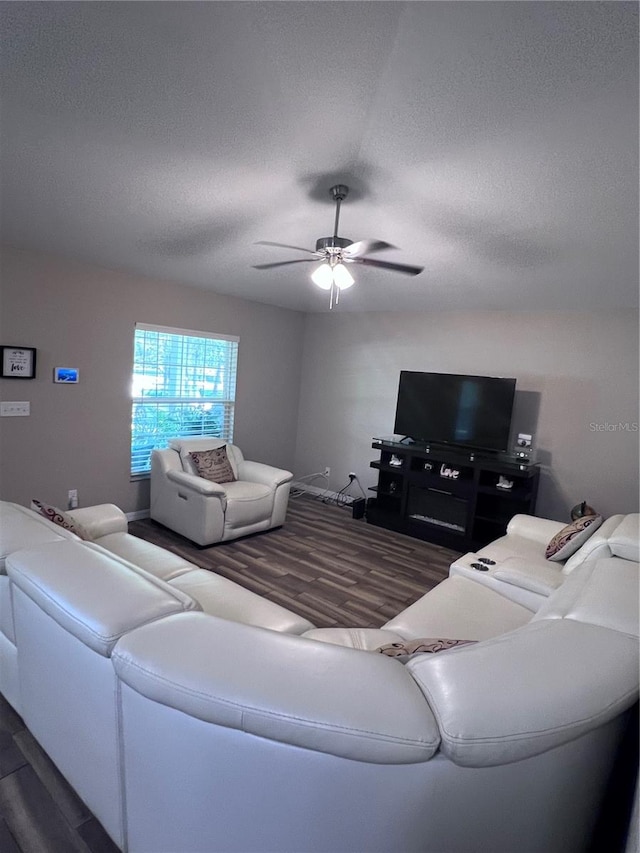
136 516
345 500
296 485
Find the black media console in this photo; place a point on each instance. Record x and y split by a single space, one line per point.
455 497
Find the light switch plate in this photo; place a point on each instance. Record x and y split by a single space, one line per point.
15 410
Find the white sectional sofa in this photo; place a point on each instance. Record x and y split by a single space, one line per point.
107 528
207 733
519 569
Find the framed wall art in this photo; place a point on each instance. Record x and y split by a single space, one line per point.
18 362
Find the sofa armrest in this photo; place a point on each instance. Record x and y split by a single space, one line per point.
100 520
540 530
285 688
540 579
195 484
258 472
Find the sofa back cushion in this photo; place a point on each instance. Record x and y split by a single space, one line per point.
625 539
92 594
521 694
319 696
596 546
600 592
24 528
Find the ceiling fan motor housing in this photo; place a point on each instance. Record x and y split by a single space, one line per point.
328 243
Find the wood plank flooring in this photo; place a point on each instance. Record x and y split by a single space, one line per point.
322 564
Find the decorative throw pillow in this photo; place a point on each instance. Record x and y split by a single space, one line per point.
430 645
57 516
213 465
567 541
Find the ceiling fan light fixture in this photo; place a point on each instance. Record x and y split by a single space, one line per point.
336 253
322 276
342 277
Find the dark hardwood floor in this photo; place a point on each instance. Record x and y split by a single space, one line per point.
323 564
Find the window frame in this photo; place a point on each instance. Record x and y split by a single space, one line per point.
188 377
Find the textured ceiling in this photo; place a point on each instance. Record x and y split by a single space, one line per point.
494 143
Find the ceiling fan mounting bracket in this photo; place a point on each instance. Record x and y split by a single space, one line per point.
339 192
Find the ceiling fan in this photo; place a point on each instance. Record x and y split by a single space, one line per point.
335 253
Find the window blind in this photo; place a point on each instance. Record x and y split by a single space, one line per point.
183 384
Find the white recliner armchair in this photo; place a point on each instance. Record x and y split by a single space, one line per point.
206 511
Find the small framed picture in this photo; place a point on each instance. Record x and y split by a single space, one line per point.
66 375
524 440
18 362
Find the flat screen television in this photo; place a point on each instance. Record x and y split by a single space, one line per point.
449 408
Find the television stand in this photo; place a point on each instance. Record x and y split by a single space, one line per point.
451 496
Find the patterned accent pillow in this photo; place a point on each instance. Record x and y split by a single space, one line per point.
213 465
567 541
430 645
57 516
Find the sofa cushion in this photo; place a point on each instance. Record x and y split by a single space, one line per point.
492 700
152 558
59 517
92 594
222 597
23 528
625 539
317 696
596 547
213 465
567 541
601 592
247 503
458 607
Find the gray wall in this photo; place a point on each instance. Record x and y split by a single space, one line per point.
574 372
78 436
312 391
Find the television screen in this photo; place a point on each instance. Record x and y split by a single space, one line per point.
448 408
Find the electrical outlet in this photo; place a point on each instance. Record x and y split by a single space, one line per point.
72 498
327 471
353 475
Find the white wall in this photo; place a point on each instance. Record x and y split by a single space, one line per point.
82 316
573 370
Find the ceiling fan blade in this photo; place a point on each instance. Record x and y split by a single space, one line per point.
284 263
407 269
282 246
364 247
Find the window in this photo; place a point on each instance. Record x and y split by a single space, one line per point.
184 384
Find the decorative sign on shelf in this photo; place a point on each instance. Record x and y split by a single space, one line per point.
503 483
18 362
449 473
